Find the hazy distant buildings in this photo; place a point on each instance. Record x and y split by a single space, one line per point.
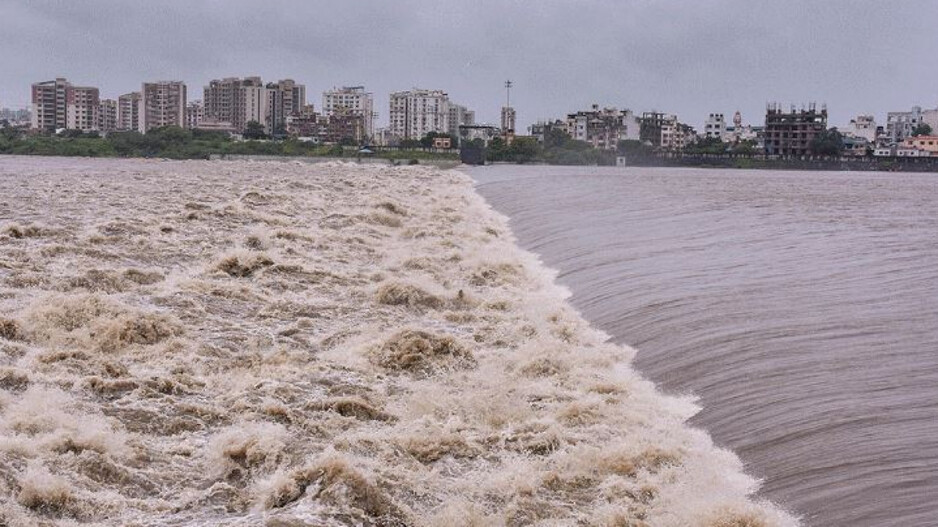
508 121
129 111
790 133
415 113
164 104
19 117
107 115
459 116
862 126
348 102
900 125
57 104
603 128
195 112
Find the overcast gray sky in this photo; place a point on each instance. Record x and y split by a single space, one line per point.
688 57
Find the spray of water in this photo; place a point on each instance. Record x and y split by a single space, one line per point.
238 343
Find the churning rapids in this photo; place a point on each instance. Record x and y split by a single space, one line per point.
802 308
281 344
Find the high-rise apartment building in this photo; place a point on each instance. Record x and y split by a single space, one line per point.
57 104
128 112
351 101
82 108
236 100
285 98
415 113
164 104
107 115
49 104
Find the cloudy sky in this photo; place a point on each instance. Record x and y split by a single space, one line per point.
688 57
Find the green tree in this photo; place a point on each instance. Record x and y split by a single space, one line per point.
922 129
254 130
827 143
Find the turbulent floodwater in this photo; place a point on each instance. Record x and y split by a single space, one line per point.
802 308
237 343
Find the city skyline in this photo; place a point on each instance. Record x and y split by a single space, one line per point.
683 59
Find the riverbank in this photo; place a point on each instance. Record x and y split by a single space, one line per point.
235 343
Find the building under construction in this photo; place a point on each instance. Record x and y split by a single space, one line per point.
791 133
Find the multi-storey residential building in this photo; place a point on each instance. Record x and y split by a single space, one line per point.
459 115
164 104
660 130
195 112
82 108
415 113
305 123
791 133
129 112
603 128
900 125
50 107
57 104
107 115
284 99
715 127
926 143
351 100
237 101
862 126
253 105
342 126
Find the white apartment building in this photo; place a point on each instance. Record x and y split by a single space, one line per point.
862 126
900 125
164 104
353 100
715 127
129 112
254 105
415 113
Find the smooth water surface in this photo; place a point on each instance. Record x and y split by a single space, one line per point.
802 309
